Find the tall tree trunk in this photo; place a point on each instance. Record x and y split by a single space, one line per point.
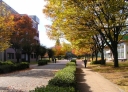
103 61
28 58
92 56
18 57
18 54
115 55
17 60
96 55
4 55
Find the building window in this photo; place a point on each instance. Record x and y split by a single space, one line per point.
121 50
10 55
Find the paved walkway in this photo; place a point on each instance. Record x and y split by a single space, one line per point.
23 81
26 80
89 81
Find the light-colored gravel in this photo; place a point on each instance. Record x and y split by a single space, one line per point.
24 81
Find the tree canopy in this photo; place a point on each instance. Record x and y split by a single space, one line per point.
6 27
78 21
22 38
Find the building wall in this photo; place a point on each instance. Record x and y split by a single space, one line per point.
108 54
9 54
6 8
127 51
122 52
35 20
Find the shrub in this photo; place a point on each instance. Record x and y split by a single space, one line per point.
42 62
64 77
25 64
71 64
70 69
73 60
7 63
8 66
63 80
96 62
21 66
49 88
1 63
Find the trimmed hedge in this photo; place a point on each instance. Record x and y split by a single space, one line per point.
8 66
42 62
63 81
6 63
70 69
6 69
53 89
64 77
21 66
73 60
71 64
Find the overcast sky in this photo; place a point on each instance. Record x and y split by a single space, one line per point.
33 7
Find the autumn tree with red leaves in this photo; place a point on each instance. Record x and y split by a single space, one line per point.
57 48
23 36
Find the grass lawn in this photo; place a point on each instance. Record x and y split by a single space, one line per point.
33 62
118 76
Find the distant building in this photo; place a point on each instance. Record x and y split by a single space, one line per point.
6 8
122 50
9 54
35 20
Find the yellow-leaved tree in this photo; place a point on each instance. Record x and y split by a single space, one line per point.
6 28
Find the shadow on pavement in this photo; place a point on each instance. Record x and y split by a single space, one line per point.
80 78
81 85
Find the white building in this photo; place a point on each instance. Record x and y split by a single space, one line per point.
122 50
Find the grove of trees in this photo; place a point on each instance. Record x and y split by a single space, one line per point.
89 25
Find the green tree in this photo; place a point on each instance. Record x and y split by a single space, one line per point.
43 51
100 44
108 18
50 53
105 17
57 48
66 47
37 50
